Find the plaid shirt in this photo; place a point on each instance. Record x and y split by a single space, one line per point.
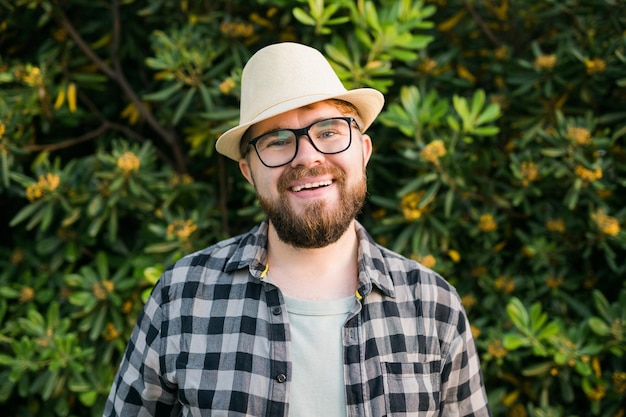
213 340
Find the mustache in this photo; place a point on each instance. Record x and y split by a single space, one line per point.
295 174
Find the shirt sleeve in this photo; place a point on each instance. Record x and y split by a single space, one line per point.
140 388
463 387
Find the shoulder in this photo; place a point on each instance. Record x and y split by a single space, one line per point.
213 262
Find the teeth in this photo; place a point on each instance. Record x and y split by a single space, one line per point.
310 185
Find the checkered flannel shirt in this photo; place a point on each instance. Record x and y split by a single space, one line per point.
213 340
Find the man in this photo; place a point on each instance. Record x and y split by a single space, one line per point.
304 315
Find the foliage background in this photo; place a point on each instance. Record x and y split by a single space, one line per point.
500 162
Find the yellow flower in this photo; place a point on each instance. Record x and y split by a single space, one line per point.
111 332
555 225
607 224
619 381
580 135
26 294
428 261
496 349
410 205
71 97
517 410
468 301
59 34
604 194
131 113
99 291
478 271
530 172
454 255
227 85
505 283
427 66
554 282
236 29
17 256
450 24
486 223
379 214
433 151
588 175
128 163
502 52
181 179
595 66
465 73
127 307
181 229
545 61
33 77
46 184
597 393
108 285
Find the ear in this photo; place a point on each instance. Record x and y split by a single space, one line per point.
366 142
246 171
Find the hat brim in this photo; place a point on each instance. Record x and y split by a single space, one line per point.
368 102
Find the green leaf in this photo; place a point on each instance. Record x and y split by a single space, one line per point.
303 17
553 152
491 113
538 369
26 212
518 314
162 247
512 341
602 305
478 101
88 398
165 93
485 130
599 326
152 274
183 105
102 266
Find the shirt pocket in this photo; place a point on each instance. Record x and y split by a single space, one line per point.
412 389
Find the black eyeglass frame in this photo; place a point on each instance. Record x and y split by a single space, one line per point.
304 131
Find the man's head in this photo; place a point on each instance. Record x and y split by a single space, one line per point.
303 146
285 76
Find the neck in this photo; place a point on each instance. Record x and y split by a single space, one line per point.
321 273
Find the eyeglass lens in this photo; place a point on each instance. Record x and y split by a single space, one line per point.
328 136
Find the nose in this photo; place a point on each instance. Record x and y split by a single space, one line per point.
306 154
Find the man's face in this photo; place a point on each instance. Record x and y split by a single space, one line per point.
312 200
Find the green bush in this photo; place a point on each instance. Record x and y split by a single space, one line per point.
500 161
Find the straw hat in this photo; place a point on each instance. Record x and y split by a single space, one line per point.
285 76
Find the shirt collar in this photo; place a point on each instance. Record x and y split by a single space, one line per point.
251 252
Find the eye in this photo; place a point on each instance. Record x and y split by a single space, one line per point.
330 129
275 140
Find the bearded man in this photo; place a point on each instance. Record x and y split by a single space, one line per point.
305 315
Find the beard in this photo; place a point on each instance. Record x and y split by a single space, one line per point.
318 225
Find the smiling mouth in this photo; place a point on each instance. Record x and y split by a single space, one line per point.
311 186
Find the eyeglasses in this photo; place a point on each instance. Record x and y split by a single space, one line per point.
328 136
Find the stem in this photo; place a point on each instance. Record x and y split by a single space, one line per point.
116 74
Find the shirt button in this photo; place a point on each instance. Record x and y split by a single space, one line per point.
276 311
281 378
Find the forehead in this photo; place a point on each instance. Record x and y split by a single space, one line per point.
302 116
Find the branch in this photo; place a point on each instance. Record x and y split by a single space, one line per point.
70 142
482 24
117 75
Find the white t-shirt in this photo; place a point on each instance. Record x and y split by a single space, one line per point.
317 387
